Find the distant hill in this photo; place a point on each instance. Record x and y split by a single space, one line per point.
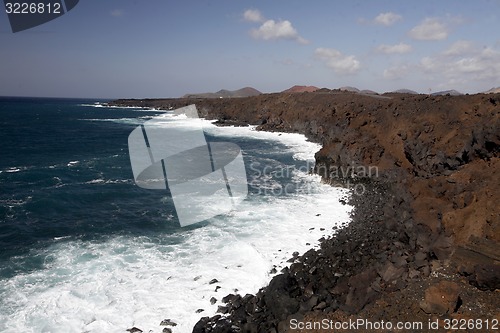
223 93
405 91
447 92
368 92
493 91
300 89
351 89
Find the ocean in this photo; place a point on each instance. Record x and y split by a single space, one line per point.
84 249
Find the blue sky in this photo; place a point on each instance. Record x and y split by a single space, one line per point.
159 48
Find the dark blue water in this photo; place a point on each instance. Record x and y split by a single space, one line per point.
65 172
83 249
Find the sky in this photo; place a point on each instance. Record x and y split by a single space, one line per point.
167 48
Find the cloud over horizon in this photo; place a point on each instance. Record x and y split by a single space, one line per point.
253 15
463 62
387 19
430 29
396 72
271 29
338 62
395 49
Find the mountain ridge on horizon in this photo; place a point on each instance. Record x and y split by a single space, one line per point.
251 91
223 93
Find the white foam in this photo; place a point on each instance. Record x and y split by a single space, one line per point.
123 282
105 105
302 149
13 170
108 181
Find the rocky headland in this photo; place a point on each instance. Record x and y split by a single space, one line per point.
424 244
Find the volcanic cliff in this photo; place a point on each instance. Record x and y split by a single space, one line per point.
424 241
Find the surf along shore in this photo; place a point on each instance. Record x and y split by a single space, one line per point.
424 243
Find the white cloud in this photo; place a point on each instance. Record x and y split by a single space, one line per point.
387 19
270 30
340 63
430 29
462 63
398 48
253 15
396 72
460 47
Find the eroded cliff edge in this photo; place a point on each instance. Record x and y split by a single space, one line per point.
429 225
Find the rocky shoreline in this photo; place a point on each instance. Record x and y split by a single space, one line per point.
424 241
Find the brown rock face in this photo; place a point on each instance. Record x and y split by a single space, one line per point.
441 298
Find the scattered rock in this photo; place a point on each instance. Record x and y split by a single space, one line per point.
441 298
134 330
390 272
486 277
320 306
167 322
200 310
222 309
213 281
213 300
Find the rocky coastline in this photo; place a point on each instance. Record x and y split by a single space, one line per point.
424 243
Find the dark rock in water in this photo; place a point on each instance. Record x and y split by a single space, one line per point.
201 324
200 310
230 298
213 281
213 300
134 330
167 322
222 309
166 330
